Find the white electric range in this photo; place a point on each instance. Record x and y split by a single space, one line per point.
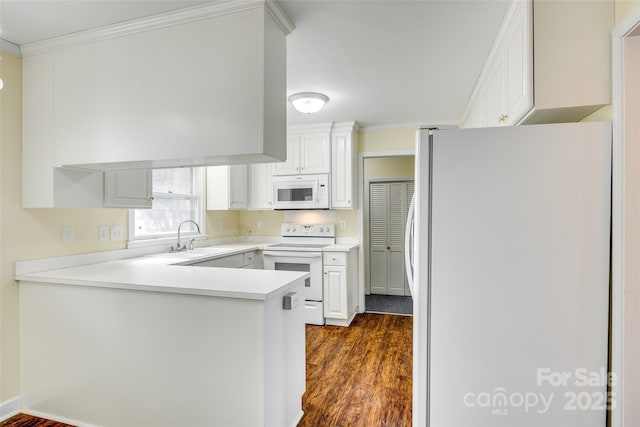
301 250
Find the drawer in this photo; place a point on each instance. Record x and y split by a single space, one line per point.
313 313
248 258
335 258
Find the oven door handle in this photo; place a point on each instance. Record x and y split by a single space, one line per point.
285 254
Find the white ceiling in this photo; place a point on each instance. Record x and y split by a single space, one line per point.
381 62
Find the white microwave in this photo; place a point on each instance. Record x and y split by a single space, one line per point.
301 192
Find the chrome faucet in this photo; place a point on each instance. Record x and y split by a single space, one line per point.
178 248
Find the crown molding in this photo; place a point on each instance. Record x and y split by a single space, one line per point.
167 19
275 10
314 127
12 48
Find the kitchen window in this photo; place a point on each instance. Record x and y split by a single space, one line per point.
178 195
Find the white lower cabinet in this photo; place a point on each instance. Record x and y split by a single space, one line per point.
231 261
340 286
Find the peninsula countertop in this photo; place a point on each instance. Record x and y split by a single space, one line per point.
169 273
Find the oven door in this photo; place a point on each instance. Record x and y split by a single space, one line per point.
310 262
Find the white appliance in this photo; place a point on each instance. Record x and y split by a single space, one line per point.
301 192
511 276
301 250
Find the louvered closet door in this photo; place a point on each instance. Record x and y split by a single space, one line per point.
379 272
388 216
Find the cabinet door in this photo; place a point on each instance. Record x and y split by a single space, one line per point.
226 187
495 109
518 87
238 187
335 292
231 261
342 182
260 186
315 153
128 189
292 165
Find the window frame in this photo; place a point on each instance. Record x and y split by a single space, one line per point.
199 186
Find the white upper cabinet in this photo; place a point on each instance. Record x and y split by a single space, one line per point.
227 187
344 145
550 63
128 188
260 186
202 86
308 150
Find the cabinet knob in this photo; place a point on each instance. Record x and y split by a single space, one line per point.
502 118
152 198
333 259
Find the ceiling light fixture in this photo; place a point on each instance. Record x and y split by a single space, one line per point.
308 102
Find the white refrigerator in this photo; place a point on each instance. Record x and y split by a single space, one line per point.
511 244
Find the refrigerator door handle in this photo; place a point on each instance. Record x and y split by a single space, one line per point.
408 244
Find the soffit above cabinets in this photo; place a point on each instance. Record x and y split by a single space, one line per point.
386 62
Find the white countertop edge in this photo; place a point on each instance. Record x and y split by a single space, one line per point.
341 247
161 288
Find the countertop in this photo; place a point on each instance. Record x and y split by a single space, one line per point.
168 273
340 247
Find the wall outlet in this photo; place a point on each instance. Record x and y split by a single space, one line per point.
260 224
343 225
116 232
221 226
67 234
103 232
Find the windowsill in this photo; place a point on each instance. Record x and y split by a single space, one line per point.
164 241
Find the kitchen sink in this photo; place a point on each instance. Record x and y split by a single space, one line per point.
196 253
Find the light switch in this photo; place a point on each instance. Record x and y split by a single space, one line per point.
103 232
116 232
260 224
67 234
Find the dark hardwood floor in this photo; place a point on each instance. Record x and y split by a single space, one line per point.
356 376
360 375
22 420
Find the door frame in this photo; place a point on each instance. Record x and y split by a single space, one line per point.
361 226
625 241
366 248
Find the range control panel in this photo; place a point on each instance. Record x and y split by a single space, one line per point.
308 230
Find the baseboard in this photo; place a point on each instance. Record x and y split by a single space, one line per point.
51 417
10 407
341 322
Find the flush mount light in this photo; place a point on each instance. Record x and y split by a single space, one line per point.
308 102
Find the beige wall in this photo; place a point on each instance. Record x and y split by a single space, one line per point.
31 233
396 139
271 221
624 8
389 167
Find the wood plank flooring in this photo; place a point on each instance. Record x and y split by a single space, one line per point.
360 375
22 420
356 376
